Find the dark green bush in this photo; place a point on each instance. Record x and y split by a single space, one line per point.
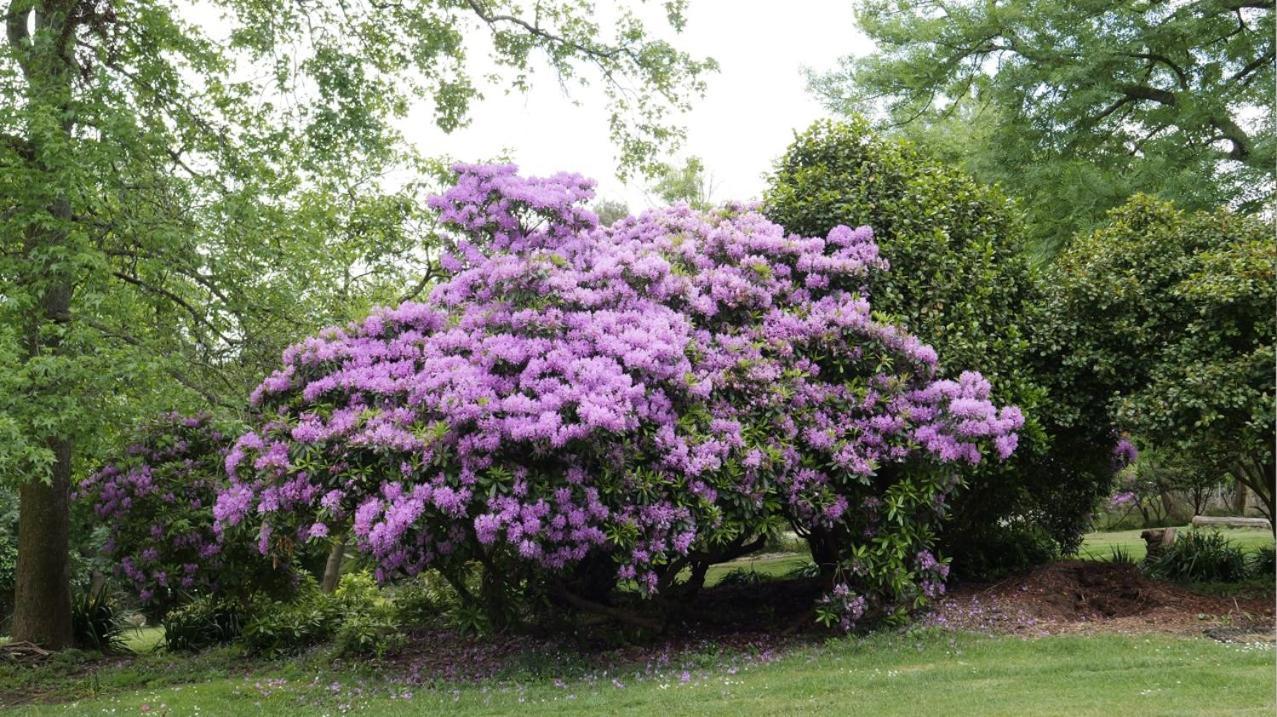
374 633
1263 562
204 622
1001 550
960 280
96 623
1199 556
1167 322
281 628
425 601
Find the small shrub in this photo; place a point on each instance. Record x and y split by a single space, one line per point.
1120 556
740 576
424 601
357 591
282 628
1004 550
374 633
96 623
204 622
1199 556
1263 562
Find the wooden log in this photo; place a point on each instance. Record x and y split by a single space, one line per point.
1200 521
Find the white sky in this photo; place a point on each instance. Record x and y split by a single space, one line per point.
753 105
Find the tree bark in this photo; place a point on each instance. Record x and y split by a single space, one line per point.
332 569
42 593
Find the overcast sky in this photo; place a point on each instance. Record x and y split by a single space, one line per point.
753 105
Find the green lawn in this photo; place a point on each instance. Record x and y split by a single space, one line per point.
921 673
924 673
766 565
1099 546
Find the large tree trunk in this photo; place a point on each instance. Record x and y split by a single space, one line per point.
42 594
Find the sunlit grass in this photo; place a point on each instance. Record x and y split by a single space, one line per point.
1100 546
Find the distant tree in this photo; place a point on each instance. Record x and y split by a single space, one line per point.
1074 106
167 218
689 183
610 210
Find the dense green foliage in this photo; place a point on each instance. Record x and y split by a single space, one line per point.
1075 106
1166 321
8 550
206 621
97 623
1199 556
959 279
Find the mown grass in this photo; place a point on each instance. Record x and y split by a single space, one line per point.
769 565
918 673
1100 546
921 672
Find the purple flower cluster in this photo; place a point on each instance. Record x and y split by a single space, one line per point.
841 607
641 390
156 503
1124 453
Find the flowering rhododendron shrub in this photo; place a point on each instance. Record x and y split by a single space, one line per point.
639 395
156 501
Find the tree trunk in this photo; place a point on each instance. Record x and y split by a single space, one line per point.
824 551
1258 475
332 569
42 593
1239 499
42 590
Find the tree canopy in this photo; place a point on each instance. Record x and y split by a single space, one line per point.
1101 99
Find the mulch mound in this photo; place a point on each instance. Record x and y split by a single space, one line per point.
1084 596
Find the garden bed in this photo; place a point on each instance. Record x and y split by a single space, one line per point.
1088 596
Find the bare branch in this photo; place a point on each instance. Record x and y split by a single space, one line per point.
195 314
